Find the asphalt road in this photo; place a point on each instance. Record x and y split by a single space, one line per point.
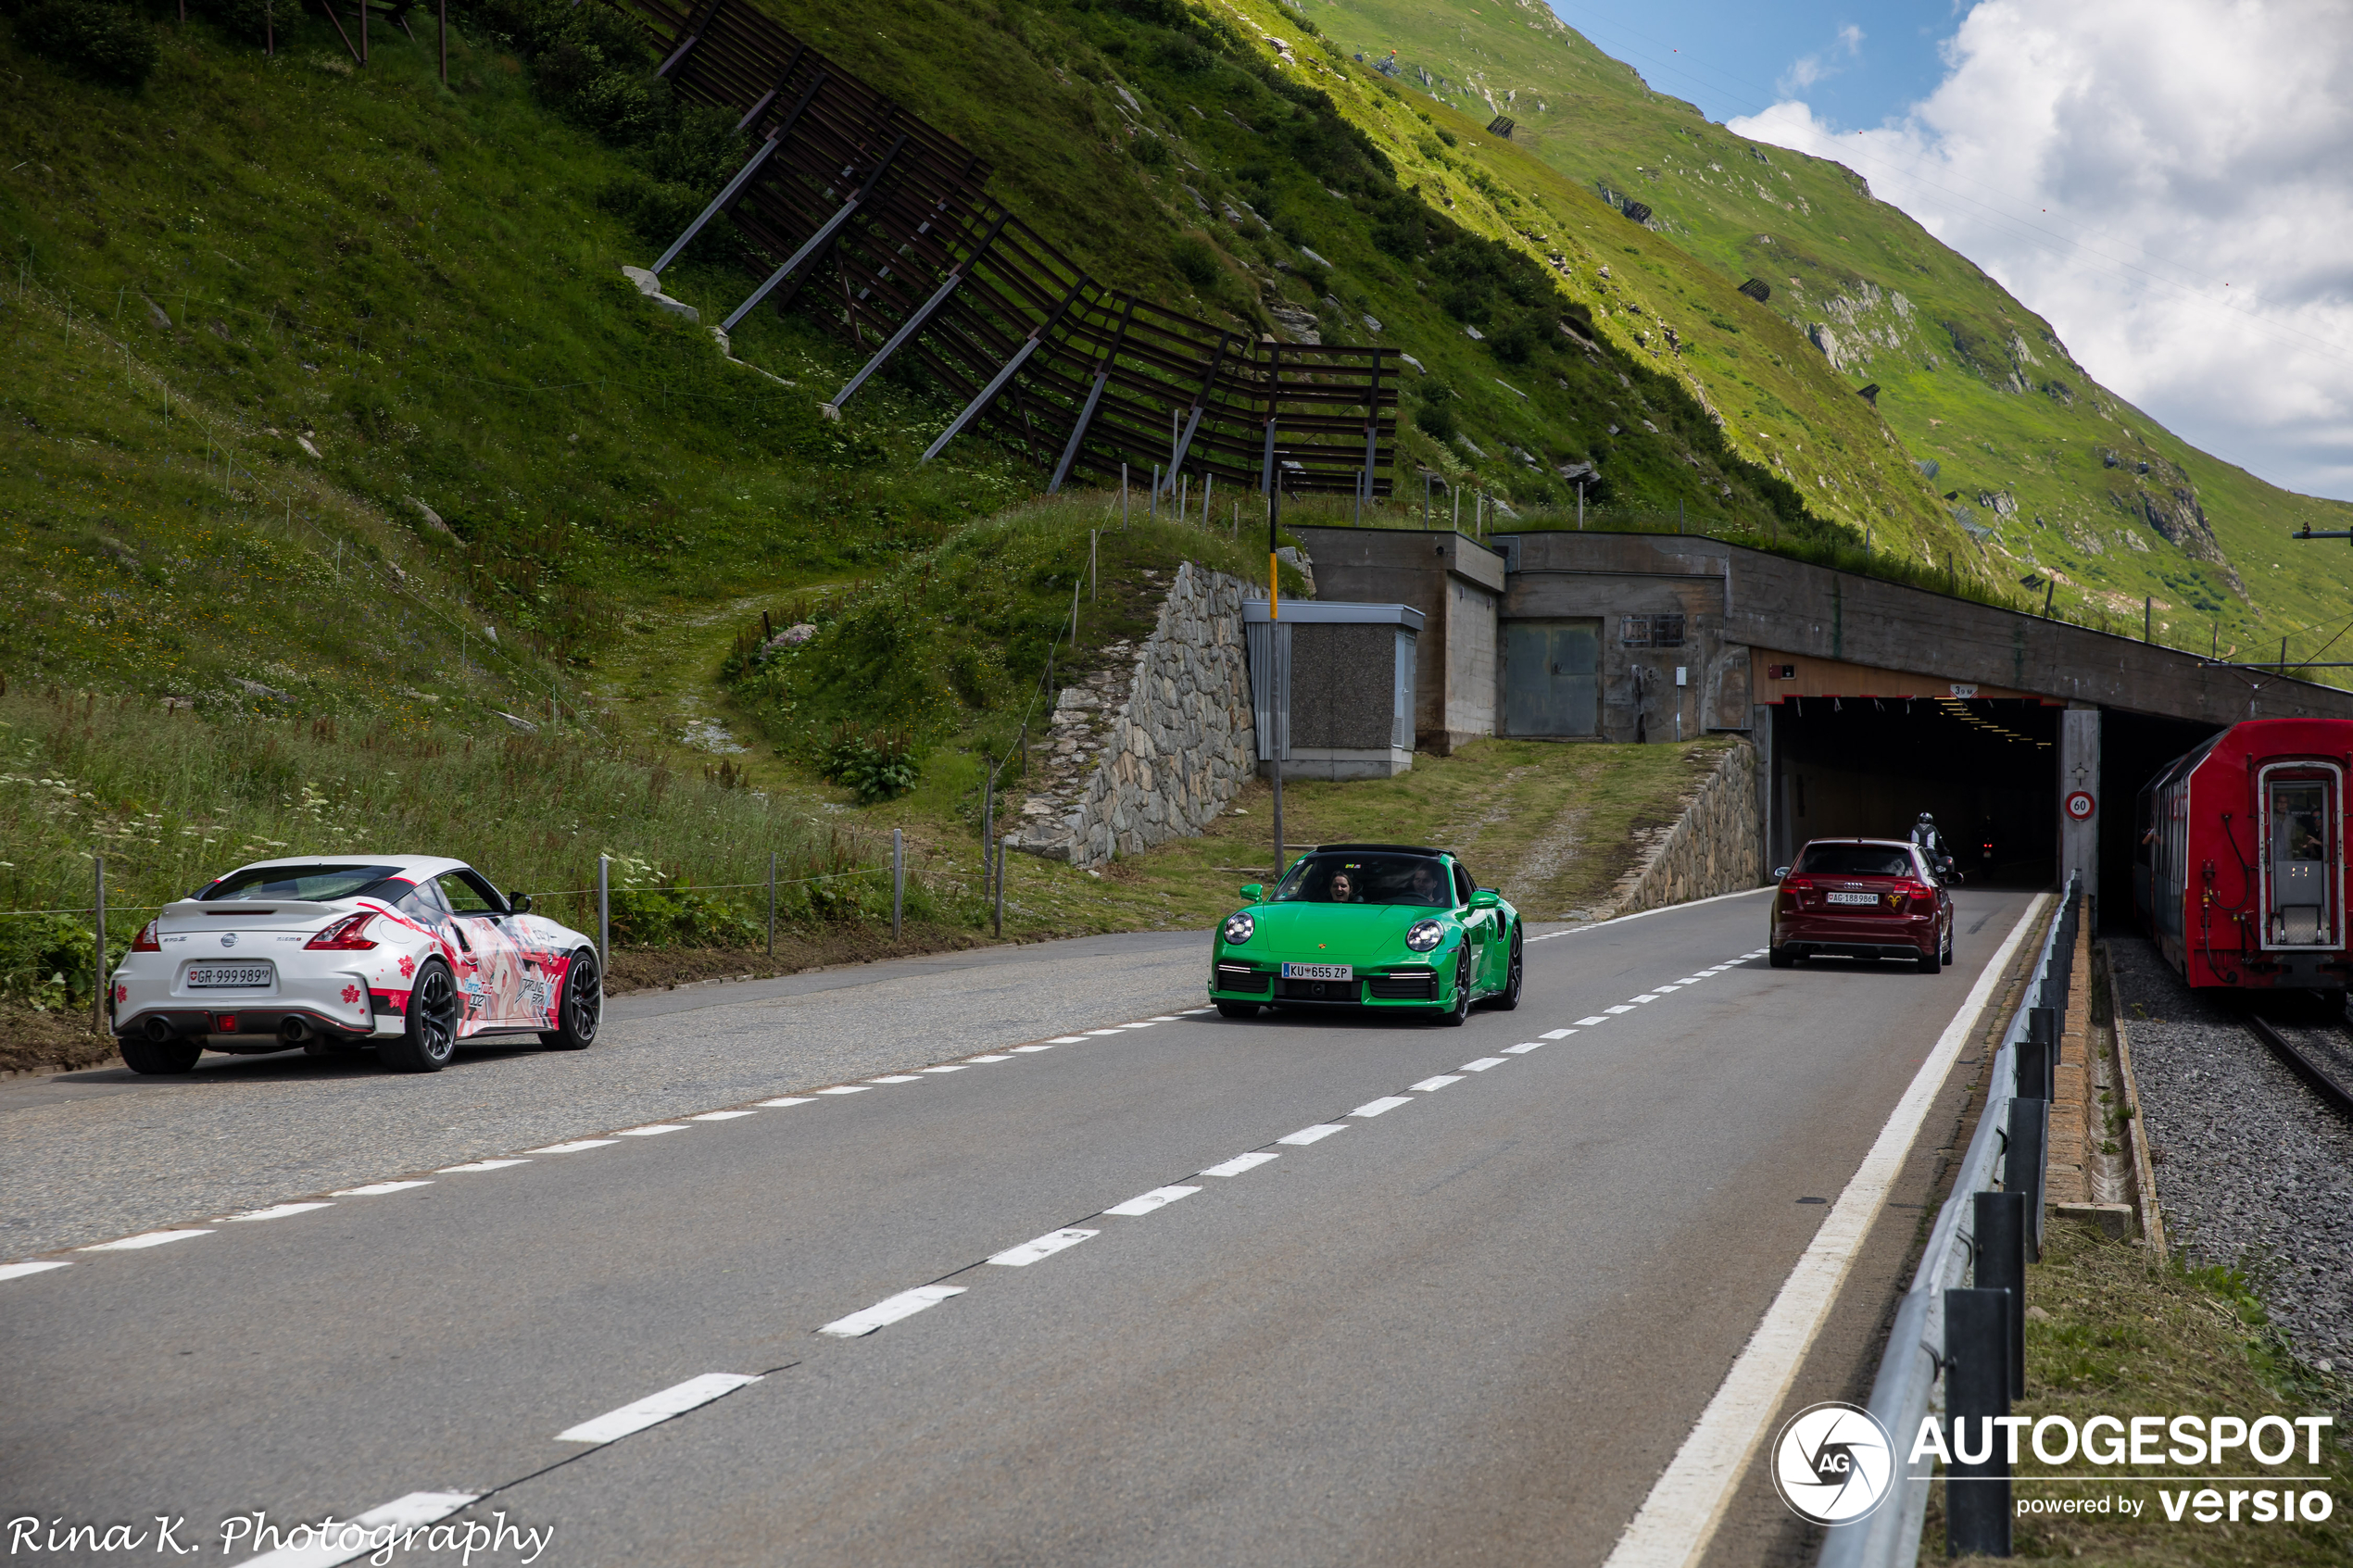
1471 1325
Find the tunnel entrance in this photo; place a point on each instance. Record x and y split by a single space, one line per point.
2132 748
1866 767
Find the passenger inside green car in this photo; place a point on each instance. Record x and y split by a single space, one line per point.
1345 877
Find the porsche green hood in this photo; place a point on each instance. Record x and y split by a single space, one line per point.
1305 932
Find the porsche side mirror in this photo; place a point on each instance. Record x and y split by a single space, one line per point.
1487 898
519 903
1254 891
1780 873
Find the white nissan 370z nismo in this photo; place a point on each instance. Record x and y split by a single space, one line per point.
407 953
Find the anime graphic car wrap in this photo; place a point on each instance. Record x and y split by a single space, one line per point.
408 954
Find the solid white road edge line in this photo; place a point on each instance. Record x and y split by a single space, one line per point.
890 1309
655 1408
1685 1505
411 1512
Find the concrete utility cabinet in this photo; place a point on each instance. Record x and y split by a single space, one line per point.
1456 583
1348 675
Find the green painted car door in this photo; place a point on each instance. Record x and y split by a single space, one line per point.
1478 930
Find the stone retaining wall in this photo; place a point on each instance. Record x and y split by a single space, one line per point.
1715 845
1152 750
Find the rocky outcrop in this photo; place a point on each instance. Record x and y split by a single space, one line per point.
1151 748
1715 845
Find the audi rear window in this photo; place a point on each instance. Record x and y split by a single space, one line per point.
1855 859
319 884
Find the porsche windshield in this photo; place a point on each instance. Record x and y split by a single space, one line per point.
1344 878
319 884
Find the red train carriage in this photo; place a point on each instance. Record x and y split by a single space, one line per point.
2240 876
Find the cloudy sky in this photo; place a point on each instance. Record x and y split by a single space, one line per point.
2170 183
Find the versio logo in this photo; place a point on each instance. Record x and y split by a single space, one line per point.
1833 1464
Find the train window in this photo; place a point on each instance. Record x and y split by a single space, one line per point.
2299 833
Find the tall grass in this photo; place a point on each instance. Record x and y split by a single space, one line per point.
171 801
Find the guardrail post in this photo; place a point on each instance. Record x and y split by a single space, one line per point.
1977 1388
898 878
2036 1052
2022 1165
1999 1223
1005 848
604 914
101 983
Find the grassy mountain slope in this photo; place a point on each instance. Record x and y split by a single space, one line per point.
2067 481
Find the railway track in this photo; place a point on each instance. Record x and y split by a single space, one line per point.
2327 1067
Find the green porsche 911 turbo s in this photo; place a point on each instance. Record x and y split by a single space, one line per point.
1369 925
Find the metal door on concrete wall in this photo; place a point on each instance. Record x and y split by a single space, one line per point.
1551 677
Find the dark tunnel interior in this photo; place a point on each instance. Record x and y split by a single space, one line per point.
2132 748
1867 767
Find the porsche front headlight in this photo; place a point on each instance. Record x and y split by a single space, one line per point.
1425 935
1239 929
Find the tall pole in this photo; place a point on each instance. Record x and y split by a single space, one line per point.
102 983
898 878
604 913
1005 848
772 903
987 824
1274 640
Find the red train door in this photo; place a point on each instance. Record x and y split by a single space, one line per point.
2303 905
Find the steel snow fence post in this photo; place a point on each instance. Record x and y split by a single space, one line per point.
2022 1162
772 903
2000 1223
719 202
1976 1382
604 912
101 983
898 878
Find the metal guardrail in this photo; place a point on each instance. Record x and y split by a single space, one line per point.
1911 1381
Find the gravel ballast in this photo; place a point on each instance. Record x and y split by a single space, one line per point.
2253 1168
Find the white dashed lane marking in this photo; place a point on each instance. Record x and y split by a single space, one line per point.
147 1239
281 1210
720 1115
891 1309
1589 1023
1038 1048
1144 1203
1557 1034
1382 1106
488 1164
413 1513
897 1078
1316 1134
1524 1048
378 1189
572 1148
18 1271
655 1408
1622 1007
653 1130
1481 1065
1242 1162
1046 1246
1428 1084
787 1099
845 1089
947 1067
988 1058
1067 1040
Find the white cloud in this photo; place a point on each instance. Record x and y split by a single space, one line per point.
1807 70
2167 181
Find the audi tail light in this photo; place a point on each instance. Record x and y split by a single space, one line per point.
348 934
145 941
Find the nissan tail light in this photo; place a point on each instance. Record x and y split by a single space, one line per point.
348 934
145 941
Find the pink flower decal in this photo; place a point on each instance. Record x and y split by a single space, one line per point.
407 966
350 995
122 993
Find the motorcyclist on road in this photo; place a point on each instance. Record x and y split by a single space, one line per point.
1932 843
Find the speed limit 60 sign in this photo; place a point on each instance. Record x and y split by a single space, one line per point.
2079 805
